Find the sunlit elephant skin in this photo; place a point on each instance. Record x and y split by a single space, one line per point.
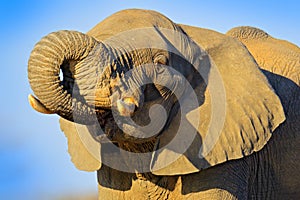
277 56
257 151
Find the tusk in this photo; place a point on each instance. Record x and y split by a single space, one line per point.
126 107
37 105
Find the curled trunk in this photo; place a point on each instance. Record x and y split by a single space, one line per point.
51 54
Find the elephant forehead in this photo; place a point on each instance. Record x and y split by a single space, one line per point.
130 19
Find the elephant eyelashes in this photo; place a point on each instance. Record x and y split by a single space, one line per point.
161 59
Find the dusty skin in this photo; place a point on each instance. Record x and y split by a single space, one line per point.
240 140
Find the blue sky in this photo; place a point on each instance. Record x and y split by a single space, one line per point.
33 151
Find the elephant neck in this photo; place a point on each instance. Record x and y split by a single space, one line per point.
115 184
155 187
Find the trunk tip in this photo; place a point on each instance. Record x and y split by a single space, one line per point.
37 105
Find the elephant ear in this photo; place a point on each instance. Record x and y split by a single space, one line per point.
236 119
83 149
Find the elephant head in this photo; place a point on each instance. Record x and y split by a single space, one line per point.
95 73
115 75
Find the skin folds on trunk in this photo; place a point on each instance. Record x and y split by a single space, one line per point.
60 51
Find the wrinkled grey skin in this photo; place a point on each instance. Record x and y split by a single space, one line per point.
95 69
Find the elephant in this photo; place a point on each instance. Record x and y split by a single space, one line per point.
282 57
169 111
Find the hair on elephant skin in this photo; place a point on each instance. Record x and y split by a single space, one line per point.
169 111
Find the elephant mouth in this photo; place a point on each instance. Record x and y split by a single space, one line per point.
109 128
113 134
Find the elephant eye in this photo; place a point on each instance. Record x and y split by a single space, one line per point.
161 59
